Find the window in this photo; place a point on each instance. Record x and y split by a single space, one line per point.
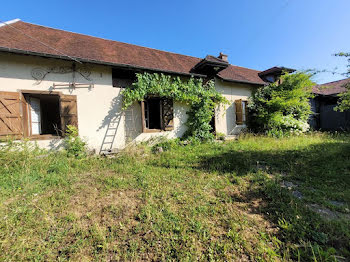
122 77
241 112
157 114
36 114
270 78
44 114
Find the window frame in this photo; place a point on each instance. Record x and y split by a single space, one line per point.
244 112
163 128
241 112
27 124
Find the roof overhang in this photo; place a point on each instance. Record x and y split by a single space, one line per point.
91 61
210 66
276 70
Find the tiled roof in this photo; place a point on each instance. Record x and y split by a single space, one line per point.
331 88
92 49
241 74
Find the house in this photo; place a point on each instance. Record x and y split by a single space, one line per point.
50 78
326 98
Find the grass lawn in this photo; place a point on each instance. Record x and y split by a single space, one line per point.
256 199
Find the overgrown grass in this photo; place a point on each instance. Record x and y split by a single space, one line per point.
215 201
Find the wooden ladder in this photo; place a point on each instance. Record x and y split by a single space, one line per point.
108 139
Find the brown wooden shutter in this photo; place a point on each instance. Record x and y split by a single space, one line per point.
143 117
69 112
10 115
239 112
25 116
168 114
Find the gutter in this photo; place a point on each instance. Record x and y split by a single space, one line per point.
46 55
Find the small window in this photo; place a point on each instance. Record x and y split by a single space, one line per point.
152 113
157 114
122 77
270 78
241 112
44 114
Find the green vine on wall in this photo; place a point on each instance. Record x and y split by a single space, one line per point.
202 99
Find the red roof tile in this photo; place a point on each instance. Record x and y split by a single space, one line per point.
88 48
331 88
241 74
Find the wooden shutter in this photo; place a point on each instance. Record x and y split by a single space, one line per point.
25 116
10 115
143 117
239 112
69 112
167 114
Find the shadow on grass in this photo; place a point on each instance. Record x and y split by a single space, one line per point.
318 160
325 166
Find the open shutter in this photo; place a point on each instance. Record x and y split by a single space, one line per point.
24 116
167 114
69 112
239 112
10 115
143 116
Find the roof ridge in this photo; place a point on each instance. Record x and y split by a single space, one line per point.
169 52
129 44
111 52
246 68
5 23
334 81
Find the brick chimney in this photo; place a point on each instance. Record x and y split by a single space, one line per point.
223 57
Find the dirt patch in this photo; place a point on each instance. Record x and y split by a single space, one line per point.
90 205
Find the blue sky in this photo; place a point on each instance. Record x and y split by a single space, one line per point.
258 34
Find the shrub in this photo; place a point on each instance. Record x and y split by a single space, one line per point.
220 136
74 145
166 144
282 109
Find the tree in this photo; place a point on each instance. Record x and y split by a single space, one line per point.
279 109
344 98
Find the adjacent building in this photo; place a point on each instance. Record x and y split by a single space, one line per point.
323 104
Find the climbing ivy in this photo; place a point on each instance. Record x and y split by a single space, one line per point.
201 97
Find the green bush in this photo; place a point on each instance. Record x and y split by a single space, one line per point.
282 109
74 145
220 136
166 144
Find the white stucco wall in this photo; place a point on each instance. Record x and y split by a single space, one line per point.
225 116
98 108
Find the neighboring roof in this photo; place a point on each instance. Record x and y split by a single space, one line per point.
97 50
276 70
331 88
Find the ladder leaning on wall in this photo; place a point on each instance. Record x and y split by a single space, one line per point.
112 129
111 133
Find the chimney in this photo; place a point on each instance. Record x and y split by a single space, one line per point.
223 57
